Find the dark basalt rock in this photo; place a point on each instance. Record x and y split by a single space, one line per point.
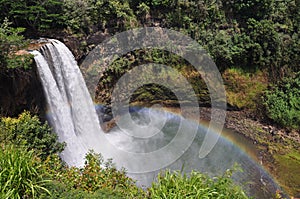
21 90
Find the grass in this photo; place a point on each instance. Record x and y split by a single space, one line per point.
244 89
280 153
174 185
287 167
20 173
25 174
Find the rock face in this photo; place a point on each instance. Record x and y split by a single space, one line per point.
20 90
81 45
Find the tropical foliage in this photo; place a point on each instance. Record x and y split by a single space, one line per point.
11 40
197 185
283 104
28 131
255 44
30 169
21 173
243 34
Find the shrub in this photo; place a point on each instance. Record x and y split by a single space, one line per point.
197 185
96 176
27 130
282 102
99 179
33 14
243 89
59 190
11 41
20 173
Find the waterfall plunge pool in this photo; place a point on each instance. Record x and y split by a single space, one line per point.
73 117
231 148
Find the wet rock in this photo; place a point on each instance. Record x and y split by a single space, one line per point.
107 126
21 90
104 113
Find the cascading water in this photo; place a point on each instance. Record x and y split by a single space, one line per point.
70 104
74 119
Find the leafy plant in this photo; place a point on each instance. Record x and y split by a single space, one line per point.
33 14
11 41
282 102
20 173
197 185
59 190
243 90
244 9
96 176
27 130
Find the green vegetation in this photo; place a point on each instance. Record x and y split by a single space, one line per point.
20 173
28 131
35 15
153 93
11 41
244 89
248 36
289 170
84 16
259 34
94 179
254 43
283 104
175 185
24 174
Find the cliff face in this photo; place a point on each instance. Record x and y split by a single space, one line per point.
80 45
21 90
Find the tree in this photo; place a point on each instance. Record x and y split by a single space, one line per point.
245 9
11 40
30 132
282 103
33 14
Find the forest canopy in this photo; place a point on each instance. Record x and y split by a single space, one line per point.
251 34
247 35
254 43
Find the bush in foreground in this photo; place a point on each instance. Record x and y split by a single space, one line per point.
95 178
20 173
28 130
25 173
197 185
98 179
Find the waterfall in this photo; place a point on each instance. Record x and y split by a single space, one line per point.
74 119
72 113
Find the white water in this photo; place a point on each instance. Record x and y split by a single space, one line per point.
73 116
74 119
72 112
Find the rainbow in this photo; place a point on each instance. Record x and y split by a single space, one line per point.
245 146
